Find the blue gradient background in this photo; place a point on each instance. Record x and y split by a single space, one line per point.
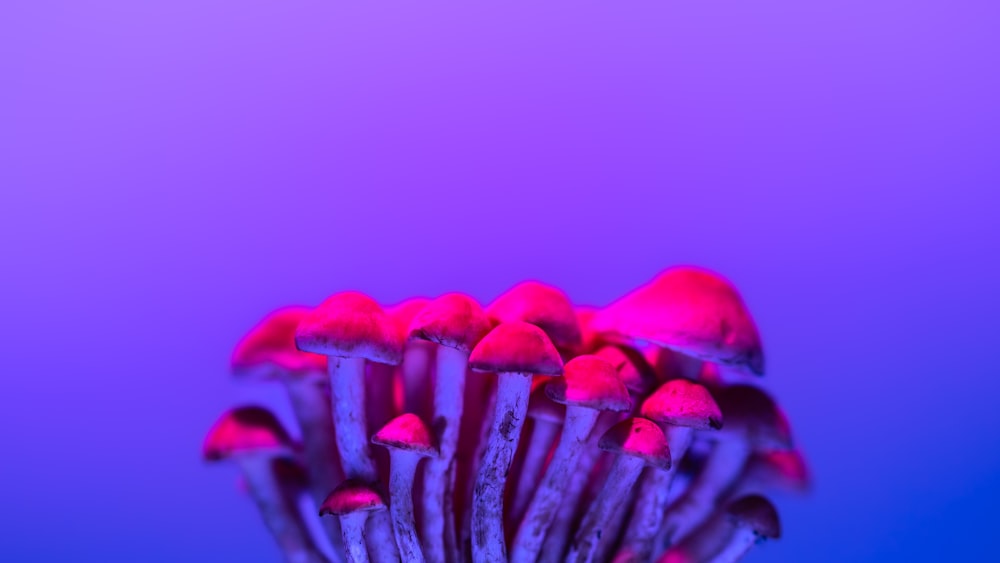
171 171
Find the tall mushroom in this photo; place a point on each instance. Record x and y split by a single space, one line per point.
544 306
252 437
352 502
754 520
590 385
637 443
514 351
691 310
681 407
408 440
456 323
350 328
268 352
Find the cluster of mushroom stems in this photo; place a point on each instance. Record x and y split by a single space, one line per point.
529 430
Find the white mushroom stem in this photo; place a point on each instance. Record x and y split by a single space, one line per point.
551 493
473 465
381 406
624 472
543 435
280 513
381 541
742 539
353 526
403 467
722 467
647 517
488 543
702 543
416 375
439 536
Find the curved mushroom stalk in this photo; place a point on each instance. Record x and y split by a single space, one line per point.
547 420
754 519
701 544
352 502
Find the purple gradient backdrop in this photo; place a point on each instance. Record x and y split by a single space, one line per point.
170 171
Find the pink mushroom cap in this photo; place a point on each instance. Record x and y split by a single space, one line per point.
633 369
246 429
268 351
680 402
352 496
403 312
758 513
516 347
454 320
542 305
592 382
750 412
351 325
406 432
639 438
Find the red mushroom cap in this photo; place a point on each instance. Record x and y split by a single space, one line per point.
454 320
406 432
680 402
246 429
403 312
638 437
592 382
516 347
633 369
758 513
352 496
351 325
751 412
268 351
542 305
691 310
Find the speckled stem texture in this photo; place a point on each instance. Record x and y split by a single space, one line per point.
353 526
621 478
544 506
403 467
439 536
543 435
740 542
474 463
487 508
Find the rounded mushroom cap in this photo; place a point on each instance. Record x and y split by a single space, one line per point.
268 351
638 437
691 310
784 470
542 305
633 369
680 402
757 513
351 496
406 432
246 429
592 382
402 313
454 320
750 412
541 408
516 347
590 339
351 325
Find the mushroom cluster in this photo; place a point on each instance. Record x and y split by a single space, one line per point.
529 430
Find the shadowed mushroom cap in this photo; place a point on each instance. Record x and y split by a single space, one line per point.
592 382
351 325
454 320
638 437
590 339
403 312
691 310
246 429
783 470
751 412
516 347
542 305
757 513
680 402
633 368
352 496
406 432
268 350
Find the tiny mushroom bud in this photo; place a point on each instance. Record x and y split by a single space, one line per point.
352 502
514 351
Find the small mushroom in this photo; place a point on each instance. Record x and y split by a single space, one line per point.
754 520
638 443
352 502
408 440
252 438
590 385
514 351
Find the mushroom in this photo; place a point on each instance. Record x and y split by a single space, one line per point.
681 407
408 440
350 328
690 310
774 470
590 385
253 438
352 502
418 357
637 443
268 352
753 422
754 520
544 306
455 323
546 420
514 351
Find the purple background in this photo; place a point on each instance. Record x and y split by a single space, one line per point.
171 171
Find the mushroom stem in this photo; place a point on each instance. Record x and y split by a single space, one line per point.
280 514
700 544
624 472
353 526
403 467
512 394
543 435
740 541
722 467
416 374
439 536
471 472
558 476
647 517
347 394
